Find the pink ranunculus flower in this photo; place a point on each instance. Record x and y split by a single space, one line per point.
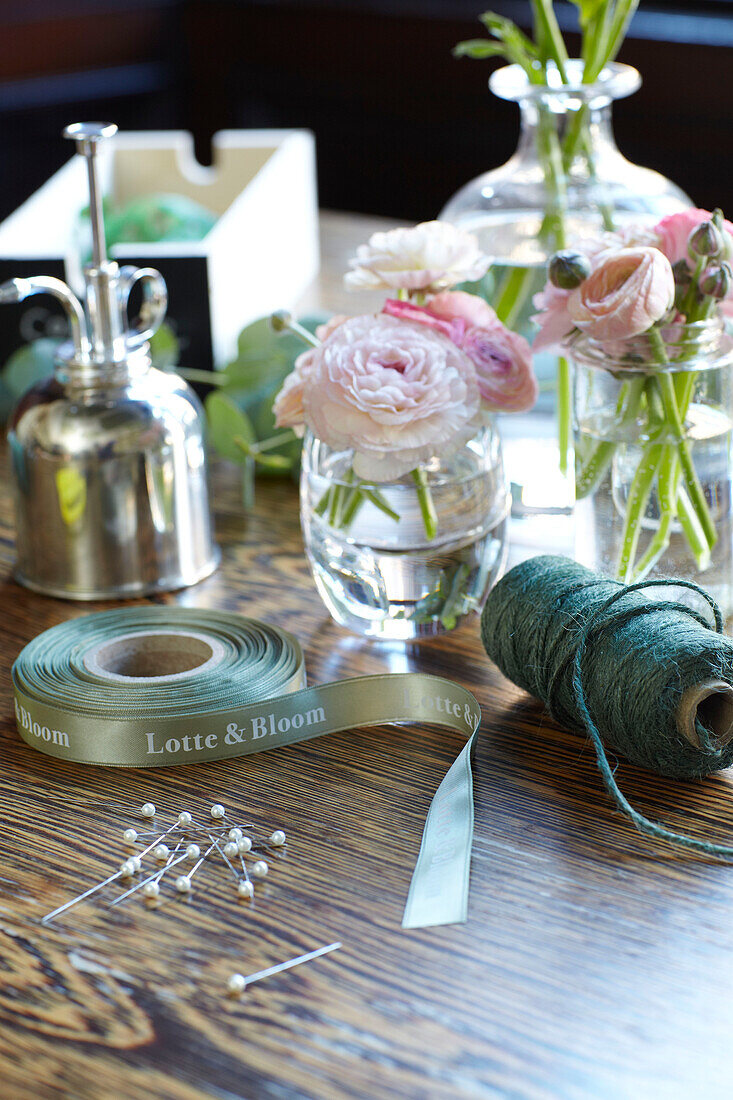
430 256
625 294
674 230
407 311
394 391
503 362
503 359
288 404
552 317
457 305
324 331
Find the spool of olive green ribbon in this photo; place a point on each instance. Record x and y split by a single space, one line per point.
152 686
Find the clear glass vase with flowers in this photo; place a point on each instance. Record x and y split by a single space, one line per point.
403 497
644 321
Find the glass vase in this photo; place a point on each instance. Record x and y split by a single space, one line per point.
376 568
654 482
567 181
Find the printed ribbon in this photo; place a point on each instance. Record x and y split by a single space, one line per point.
75 698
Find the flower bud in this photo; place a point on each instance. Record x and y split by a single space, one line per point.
567 270
705 240
716 282
280 320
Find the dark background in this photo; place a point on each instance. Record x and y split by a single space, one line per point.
399 123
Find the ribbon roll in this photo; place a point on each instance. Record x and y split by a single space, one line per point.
159 686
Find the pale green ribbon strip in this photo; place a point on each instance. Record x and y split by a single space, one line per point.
75 699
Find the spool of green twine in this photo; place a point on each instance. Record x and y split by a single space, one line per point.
649 678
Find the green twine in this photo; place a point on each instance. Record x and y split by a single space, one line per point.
614 665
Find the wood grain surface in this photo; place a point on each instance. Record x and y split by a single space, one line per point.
594 965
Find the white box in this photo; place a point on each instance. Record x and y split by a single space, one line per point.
261 254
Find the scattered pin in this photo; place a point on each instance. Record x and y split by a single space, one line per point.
237 983
148 810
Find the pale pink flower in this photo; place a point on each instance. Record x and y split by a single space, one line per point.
674 230
625 294
457 305
552 317
502 358
407 311
429 256
503 362
288 405
324 331
394 391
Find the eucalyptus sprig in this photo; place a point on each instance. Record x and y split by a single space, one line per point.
240 421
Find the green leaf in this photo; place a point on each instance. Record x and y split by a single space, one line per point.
164 348
226 424
509 33
30 364
588 9
479 48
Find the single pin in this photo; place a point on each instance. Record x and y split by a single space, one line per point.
260 868
148 810
278 838
237 983
217 812
129 836
82 897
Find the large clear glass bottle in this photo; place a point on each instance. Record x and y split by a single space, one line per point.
566 182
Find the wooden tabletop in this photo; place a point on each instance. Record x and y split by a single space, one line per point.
594 965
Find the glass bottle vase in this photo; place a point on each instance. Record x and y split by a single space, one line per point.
654 464
566 182
377 570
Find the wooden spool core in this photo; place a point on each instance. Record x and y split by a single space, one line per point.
710 703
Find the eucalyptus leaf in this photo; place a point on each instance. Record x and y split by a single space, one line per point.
226 424
30 364
164 348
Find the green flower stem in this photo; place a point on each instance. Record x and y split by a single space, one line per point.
334 510
690 523
639 491
667 482
668 395
450 612
514 288
376 498
692 482
564 411
353 507
205 377
425 499
592 471
324 503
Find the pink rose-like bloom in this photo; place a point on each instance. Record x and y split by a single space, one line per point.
625 294
288 405
673 231
503 362
555 323
324 331
457 305
502 358
394 391
406 311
